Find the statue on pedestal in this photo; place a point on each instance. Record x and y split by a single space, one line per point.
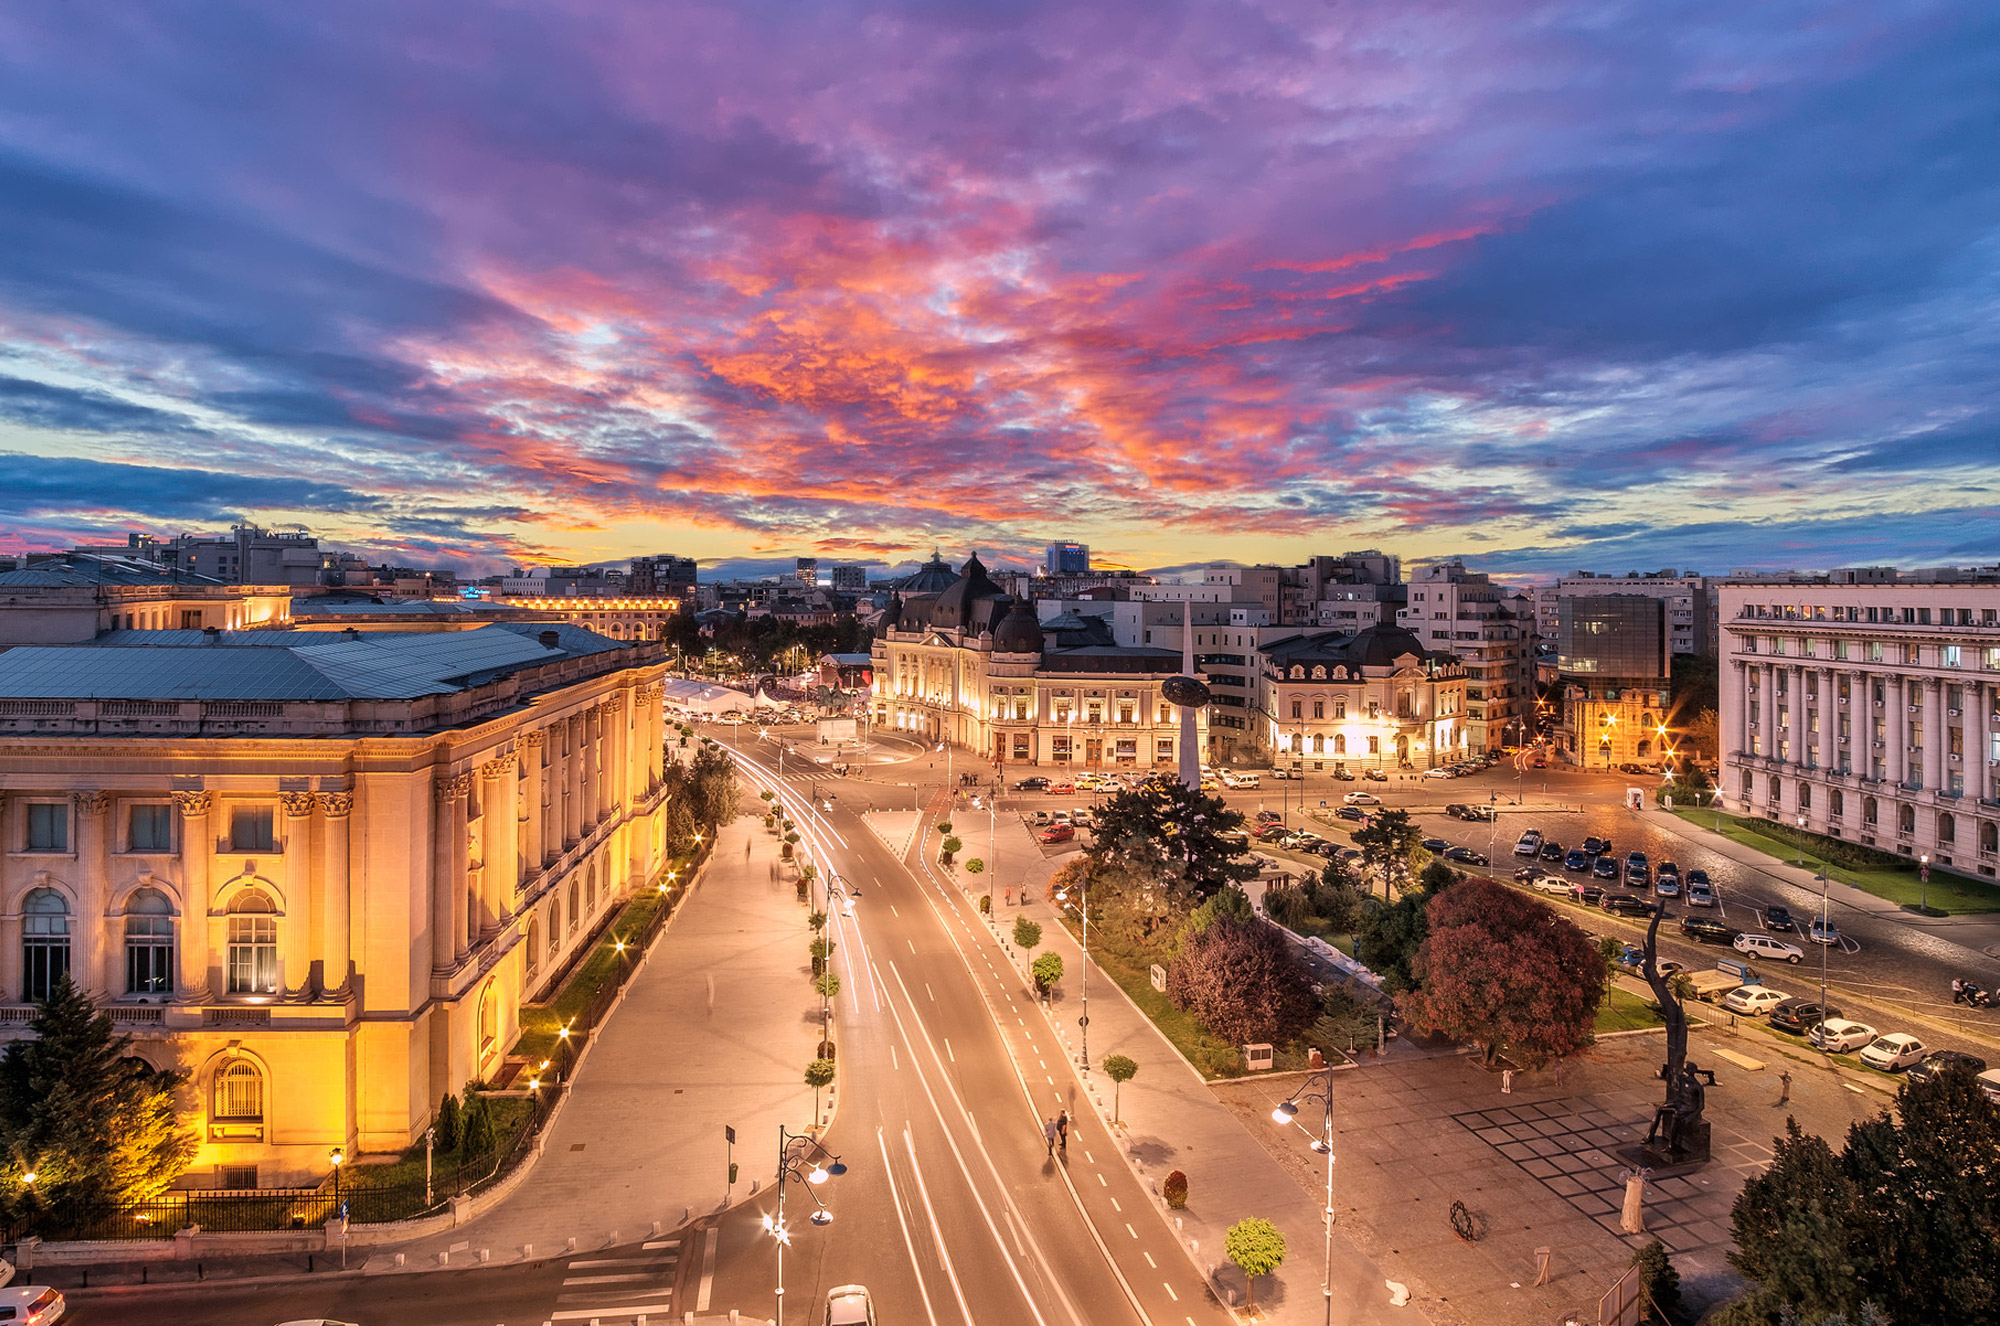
1679 1135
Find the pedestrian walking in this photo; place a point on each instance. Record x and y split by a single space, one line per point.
1062 1131
1784 1088
1049 1132
1957 990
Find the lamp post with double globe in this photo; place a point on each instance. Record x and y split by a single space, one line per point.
801 1157
1288 1112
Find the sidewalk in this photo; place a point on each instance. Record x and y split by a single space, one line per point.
640 1138
1175 1121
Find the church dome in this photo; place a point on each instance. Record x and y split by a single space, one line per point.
1018 632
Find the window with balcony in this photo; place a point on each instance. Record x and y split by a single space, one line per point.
253 945
149 943
44 943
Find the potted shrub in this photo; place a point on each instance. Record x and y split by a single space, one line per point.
1175 1190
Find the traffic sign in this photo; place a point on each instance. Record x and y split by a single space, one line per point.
1083 1022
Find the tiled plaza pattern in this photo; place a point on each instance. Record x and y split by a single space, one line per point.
1574 1149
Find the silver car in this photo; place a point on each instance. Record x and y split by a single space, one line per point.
849 1305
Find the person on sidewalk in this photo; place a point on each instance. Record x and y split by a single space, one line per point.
1062 1131
1049 1133
1784 1088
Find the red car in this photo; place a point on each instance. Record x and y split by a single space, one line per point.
1062 789
1058 833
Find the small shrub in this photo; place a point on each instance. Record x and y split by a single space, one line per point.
450 1123
985 900
826 984
975 866
943 826
479 1136
1047 970
819 1073
1175 1190
1027 934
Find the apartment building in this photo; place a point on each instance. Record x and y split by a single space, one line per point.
1690 604
1867 705
1483 624
320 873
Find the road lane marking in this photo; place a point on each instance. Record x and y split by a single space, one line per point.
937 1231
1129 1230
928 991
1092 1159
1149 1259
896 1200
947 1050
1101 1182
713 1235
893 912
912 943
1114 1201
592 1314
1170 1291
616 1261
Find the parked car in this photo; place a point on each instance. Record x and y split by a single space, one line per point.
1624 904
1437 845
31 1305
1080 817
1456 810
1374 776
1342 776
1552 851
1465 856
849 1305
1283 774
1605 867
1269 817
1638 876
1693 878
1034 784
1440 773
1763 946
1668 870
1839 1036
1822 931
1638 861
1894 1052
1269 833
1058 833
1700 895
1667 886
1360 799
1548 884
1989 1086
1753 1000
1351 813
1577 860
1796 1015
1530 844
1779 917
1586 893
1939 1062
1707 930
1597 846
1061 817
1040 819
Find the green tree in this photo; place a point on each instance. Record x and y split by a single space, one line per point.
1386 842
95 1126
1120 1069
1047 971
1338 898
826 985
950 848
1661 1281
1257 1247
819 1074
975 866
1343 1023
1243 981
450 1123
479 1135
1027 934
1390 936
1790 1226
1227 901
1500 969
1169 837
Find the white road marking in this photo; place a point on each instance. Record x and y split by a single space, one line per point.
947 1050
927 990
1092 1159
893 1061
712 1237
1101 1182
937 1232
592 1314
615 1261
1129 1230
1114 1201
662 1243
912 943
896 1200
1170 1291
893 911
1149 1260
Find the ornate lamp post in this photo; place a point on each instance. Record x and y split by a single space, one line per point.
1083 910
801 1158
1287 1112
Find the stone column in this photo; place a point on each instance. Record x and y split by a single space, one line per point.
191 953
296 950
1896 721
96 965
592 769
1979 741
572 779
1829 722
447 868
533 743
502 826
337 960
1934 742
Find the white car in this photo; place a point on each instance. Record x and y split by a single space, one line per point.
1763 946
1897 1050
849 1305
1530 845
1550 884
1361 799
1838 1035
1080 817
31 1305
1753 1000
1440 773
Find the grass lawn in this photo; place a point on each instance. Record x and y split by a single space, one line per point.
1890 880
540 1024
1624 1011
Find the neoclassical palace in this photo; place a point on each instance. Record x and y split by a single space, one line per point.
1373 699
319 873
971 665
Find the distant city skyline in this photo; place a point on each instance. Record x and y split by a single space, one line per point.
470 286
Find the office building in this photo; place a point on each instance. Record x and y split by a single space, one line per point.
1492 633
1614 691
662 576
1067 559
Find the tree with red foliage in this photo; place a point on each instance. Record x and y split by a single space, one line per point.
1243 981
1500 969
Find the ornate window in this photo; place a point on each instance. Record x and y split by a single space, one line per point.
1298 673
44 943
1340 743
239 1093
149 943
575 912
1319 673
253 945
489 1021
534 942
48 826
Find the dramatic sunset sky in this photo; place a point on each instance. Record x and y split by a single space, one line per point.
1547 286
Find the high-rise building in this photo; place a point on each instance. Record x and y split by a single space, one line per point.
850 577
1612 662
1067 559
806 571
1451 608
249 555
664 576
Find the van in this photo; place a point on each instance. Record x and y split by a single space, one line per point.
1245 780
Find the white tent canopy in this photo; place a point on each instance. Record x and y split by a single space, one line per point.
702 697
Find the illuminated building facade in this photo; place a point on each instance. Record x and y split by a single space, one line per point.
1374 699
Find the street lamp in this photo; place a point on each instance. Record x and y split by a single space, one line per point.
1083 910
1802 840
336 1156
812 1165
1287 1112
1924 883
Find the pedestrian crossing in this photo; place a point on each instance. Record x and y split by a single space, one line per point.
621 1286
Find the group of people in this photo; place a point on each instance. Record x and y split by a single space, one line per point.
1965 992
1056 1131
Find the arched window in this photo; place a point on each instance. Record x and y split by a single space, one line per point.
1906 819
1645 720
575 912
44 943
590 887
253 945
1868 810
1947 829
1805 796
239 1093
1989 836
489 1022
1836 804
1777 790
1319 743
555 928
534 942
149 943
1643 749
1319 673
1340 743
